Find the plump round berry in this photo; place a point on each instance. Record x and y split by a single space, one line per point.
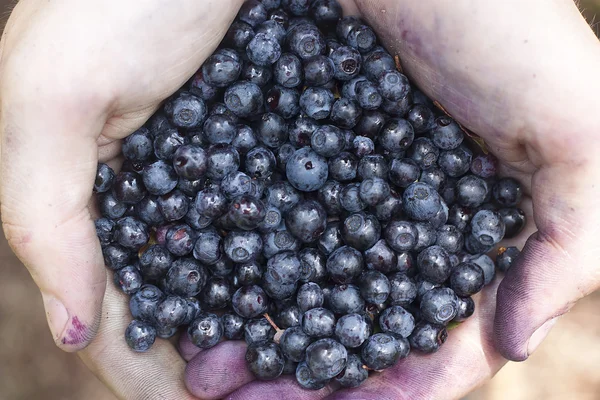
396 135
374 287
471 191
372 166
343 167
287 71
424 152
242 246
514 220
350 198
186 277
487 266
222 159
487 227
283 101
128 188
345 264
306 378
128 279
381 351
466 308
397 320
439 305
404 172
421 202
216 294
306 220
507 192
233 326
312 265
450 238
354 374
455 162
484 165
188 111
345 113
427 338
347 62
316 102
143 303
131 233
421 118
105 177
446 134
345 299
393 85
434 264
380 257
265 360
401 235
206 330
318 322
306 170
260 162
506 258
318 70
306 41
310 295
294 342
249 301
263 49
326 358
352 330
258 331
244 99
247 212
466 279
170 312
140 335
403 289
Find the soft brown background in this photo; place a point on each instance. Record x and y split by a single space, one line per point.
566 366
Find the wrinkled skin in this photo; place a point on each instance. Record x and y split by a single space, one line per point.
520 74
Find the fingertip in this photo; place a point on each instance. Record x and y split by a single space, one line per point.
216 372
187 349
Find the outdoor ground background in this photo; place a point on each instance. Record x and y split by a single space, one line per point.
32 368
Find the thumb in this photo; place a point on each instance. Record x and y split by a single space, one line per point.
558 264
48 161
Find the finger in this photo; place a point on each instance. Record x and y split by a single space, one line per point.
284 387
557 266
187 349
156 374
465 361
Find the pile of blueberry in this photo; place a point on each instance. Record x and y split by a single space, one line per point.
300 194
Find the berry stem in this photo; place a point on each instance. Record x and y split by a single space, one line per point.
278 330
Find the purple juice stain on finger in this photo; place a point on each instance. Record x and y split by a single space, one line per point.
78 333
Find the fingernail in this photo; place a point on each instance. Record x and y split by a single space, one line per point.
540 334
57 315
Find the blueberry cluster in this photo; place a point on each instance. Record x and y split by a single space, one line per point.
300 194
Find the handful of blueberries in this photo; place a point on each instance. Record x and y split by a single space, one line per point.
299 185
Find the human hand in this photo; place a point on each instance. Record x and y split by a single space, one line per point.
522 76
75 78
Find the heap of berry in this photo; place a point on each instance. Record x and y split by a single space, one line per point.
299 180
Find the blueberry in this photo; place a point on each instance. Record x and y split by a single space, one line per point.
439 305
487 266
233 326
318 70
104 230
434 177
406 263
247 274
474 246
131 233
372 166
376 63
235 184
380 257
354 374
380 351
238 36
263 49
167 143
424 153
363 146
371 122
345 113
362 38
193 310
252 12
396 135
466 308
242 246
361 231
434 264
205 331
484 165
257 331
186 277
306 41
186 110
316 102
352 330
326 358
306 379
306 170
345 264
401 235
247 212
421 202
294 343
211 202
143 303
198 86
347 62
374 287
487 227
455 162
222 68
222 159
506 258
139 145
244 139
460 217
345 26
271 4
128 188
277 241
349 88
404 172
397 108
249 301
466 279
170 312
289 316
158 123
450 238
260 162
397 320
514 220
345 299
421 118
325 12
284 268
309 296
149 211
128 279
273 29
390 208
287 71
507 192
343 167
265 360
350 198
306 220
283 101
368 96
283 196
283 155
105 177
312 265
190 163
327 140
426 237
140 335
257 74
301 130
272 130
180 240
393 85
216 294
427 337
403 289
471 191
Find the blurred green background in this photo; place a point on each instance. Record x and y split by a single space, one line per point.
565 367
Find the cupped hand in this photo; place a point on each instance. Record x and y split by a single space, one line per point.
522 75
75 78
